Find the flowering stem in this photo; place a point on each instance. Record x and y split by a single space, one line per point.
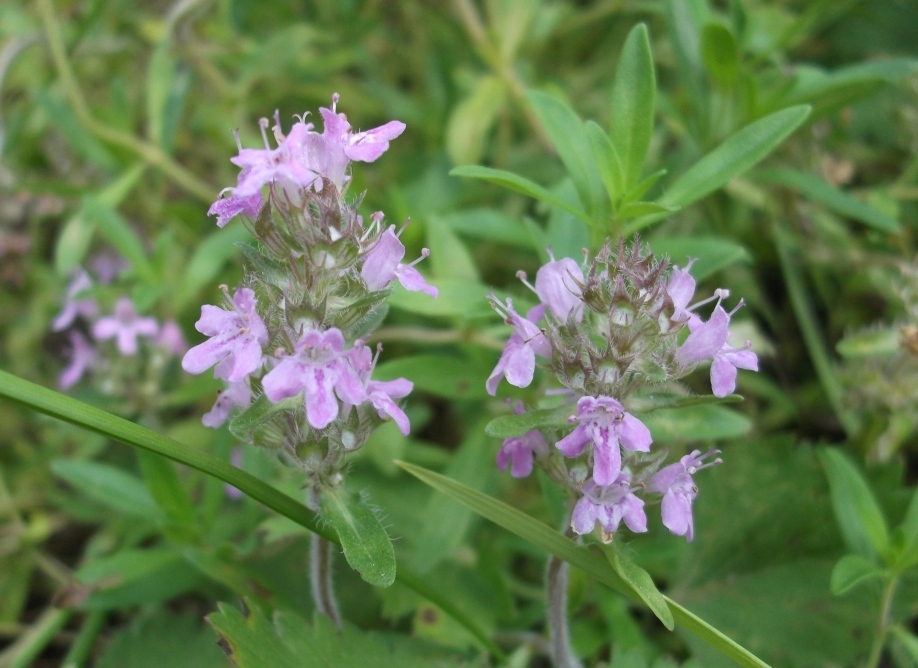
320 570
150 153
562 656
879 637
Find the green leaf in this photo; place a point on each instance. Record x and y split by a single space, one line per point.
251 640
254 423
518 184
597 567
108 485
170 495
851 570
879 342
908 530
489 225
814 188
62 407
638 209
857 512
640 582
696 423
118 233
159 79
739 152
457 298
720 53
607 159
207 260
449 256
451 376
633 103
165 639
908 641
506 426
444 523
472 120
712 253
573 146
366 544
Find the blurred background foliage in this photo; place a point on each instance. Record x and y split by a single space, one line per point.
115 132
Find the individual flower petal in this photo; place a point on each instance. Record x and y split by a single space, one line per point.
706 340
381 262
412 280
76 303
382 395
609 505
574 443
681 289
235 394
227 208
557 284
368 146
520 452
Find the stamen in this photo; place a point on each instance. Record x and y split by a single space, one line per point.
238 141
402 228
335 98
263 123
522 276
425 252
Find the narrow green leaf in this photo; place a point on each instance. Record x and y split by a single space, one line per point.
908 641
857 512
633 103
517 183
207 260
367 547
719 53
108 485
573 146
638 190
118 233
696 423
160 74
597 567
638 209
641 582
490 225
739 152
449 256
607 159
814 188
170 495
62 407
909 532
457 298
506 426
472 120
850 571
445 376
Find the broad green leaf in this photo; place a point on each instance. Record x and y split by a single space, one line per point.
594 565
640 582
851 570
633 103
857 512
573 146
367 547
607 160
517 183
696 423
108 485
712 253
719 53
814 188
62 407
456 298
472 120
170 495
878 342
449 256
446 376
739 152
251 640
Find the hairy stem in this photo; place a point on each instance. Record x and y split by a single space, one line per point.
562 656
320 569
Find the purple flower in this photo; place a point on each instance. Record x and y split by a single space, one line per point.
609 505
236 394
558 286
675 483
381 394
517 363
237 337
382 263
285 163
126 325
681 289
74 304
82 357
520 453
708 340
171 338
227 208
603 421
319 368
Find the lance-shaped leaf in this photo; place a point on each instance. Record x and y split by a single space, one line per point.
518 183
